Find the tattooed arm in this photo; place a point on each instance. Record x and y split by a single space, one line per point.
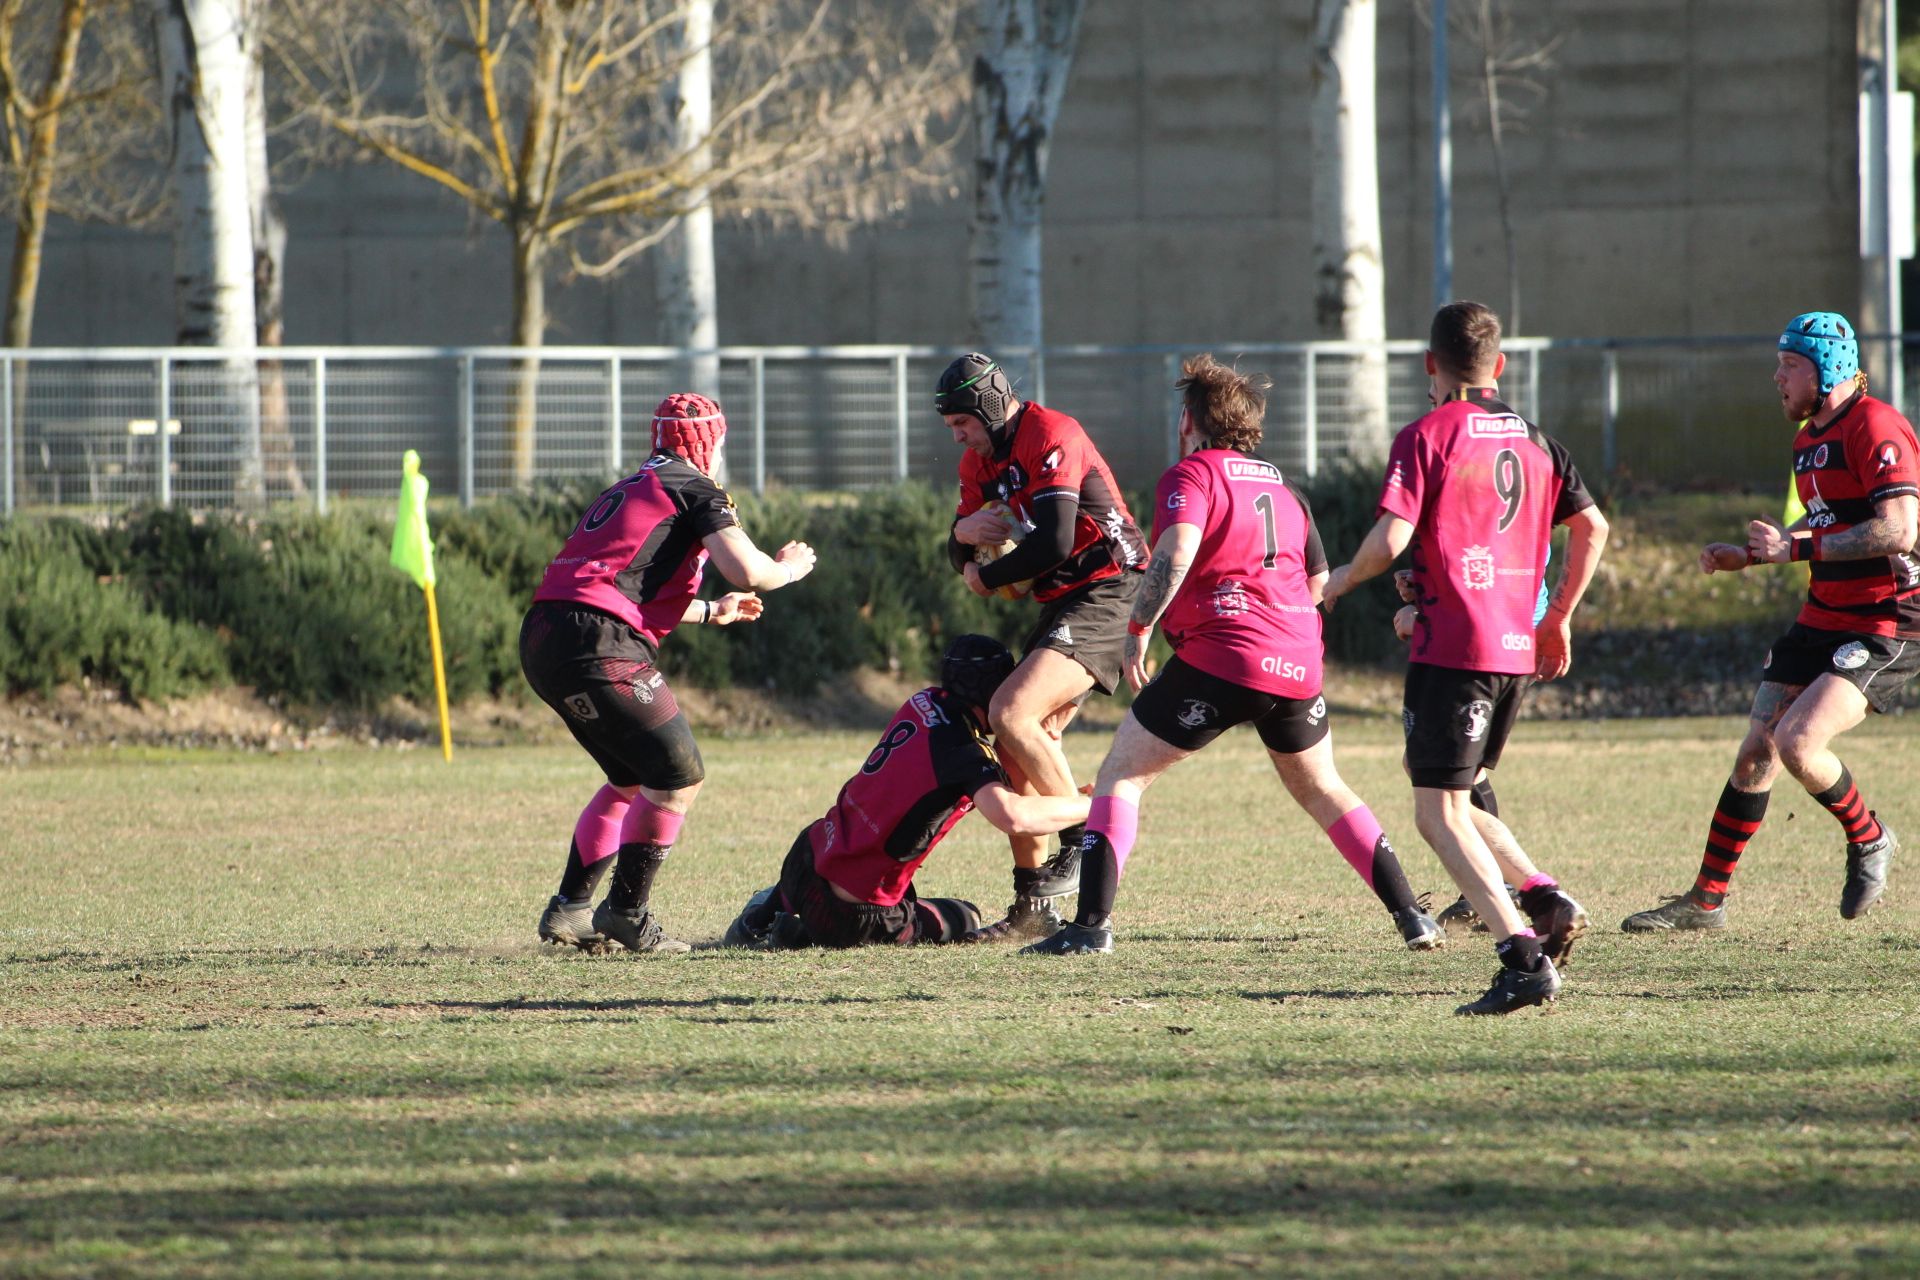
1891 531
1172 557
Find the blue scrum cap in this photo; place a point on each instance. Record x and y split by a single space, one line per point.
1825 338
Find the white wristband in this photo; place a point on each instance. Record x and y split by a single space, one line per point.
787 567
708 615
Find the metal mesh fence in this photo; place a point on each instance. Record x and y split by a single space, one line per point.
105 430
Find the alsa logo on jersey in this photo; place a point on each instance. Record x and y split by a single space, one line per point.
923 706
1476 568
1230 599
1517 642
1284 669
1252 469
1050 461
1495 426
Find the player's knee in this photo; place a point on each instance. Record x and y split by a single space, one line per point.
939 920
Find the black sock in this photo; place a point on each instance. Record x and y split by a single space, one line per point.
1389 880
1070 841
578 883
633 877
1521 951
1099 882
1482 797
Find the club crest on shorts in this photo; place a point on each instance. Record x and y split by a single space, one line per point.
1474 719
1850 656
1317 712
1406 721
1476 568
1196 713
581 706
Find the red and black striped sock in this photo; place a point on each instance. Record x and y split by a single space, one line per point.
1735 821
1843 801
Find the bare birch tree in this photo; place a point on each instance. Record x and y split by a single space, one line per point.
204 75
1511 67
1023 55
78 114
560 120
1349 270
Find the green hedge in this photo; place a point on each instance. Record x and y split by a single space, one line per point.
305 608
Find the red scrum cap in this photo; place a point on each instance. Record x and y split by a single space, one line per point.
691 426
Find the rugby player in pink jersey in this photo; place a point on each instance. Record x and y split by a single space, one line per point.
628 575
1475 491
848 879
1235 580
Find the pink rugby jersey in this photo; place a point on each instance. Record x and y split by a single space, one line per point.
1243 612
637 552
1483 489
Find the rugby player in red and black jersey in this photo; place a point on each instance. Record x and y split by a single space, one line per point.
1235 579
1476 490
628 575
1857 638
848 879
1030 467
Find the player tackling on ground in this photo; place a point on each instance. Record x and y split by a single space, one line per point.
1235 576
1857 638
848 879
626 577
1083 555
1475 490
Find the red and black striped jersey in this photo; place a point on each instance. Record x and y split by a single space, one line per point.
637 553
918 781
1048 455
1864 456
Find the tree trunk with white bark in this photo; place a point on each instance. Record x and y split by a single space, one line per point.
204 72
1025 53
1349 271
269 228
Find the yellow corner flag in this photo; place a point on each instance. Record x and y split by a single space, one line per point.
413 555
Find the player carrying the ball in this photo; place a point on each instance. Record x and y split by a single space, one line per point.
627 576
1027 467
1235 577
1475 490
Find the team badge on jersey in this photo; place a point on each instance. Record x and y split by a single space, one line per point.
1050 461
1230 599
1474 719
1476 568
1850 656
1889 456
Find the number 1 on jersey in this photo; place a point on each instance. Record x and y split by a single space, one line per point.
1264 505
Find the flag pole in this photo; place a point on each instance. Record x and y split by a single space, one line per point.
439 675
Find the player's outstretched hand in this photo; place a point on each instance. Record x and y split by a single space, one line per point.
990 526
1339 582
1403 583
1769 542
1552 648
1722 557
736 606
1404 620
797 559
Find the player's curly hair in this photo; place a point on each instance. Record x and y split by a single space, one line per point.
1228 406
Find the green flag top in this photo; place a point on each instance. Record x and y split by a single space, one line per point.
412 545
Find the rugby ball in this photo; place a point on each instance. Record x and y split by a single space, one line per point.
988 554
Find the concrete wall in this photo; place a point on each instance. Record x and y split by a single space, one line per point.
1691 169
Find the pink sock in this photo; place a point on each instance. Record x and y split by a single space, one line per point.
1119 821
597 833
647 823
1355 833
1539 880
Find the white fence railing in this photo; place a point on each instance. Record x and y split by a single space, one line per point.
115 427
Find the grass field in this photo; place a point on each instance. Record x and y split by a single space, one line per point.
284 1016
